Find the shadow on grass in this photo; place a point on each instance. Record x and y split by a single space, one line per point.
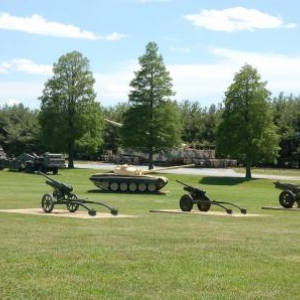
126 192
224 180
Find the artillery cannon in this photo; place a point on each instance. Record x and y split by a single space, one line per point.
289 195
199 197
63 194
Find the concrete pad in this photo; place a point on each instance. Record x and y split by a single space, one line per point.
208 213
281 208
65 213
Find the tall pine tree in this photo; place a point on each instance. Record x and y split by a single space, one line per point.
152 122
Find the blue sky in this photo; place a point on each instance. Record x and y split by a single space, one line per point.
203 43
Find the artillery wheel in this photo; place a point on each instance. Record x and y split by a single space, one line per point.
71 206
132 187
142 187
114 186
186 202
29 167
151 187
287 199
47 203
203 204
123 186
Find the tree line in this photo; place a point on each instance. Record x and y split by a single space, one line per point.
248 125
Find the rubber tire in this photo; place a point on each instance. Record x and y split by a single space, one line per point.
203 204
47 203
286 199
28 167
186 202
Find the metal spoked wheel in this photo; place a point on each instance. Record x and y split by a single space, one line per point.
71 206
203 204
123 186
186 202
151 187
47 203
132 187
114 186
142 187
287 199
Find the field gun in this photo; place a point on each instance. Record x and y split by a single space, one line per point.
199 197
63 194
289 195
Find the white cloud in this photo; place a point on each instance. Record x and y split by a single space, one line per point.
26 92
38 25
205 83
9 102
236 19
26 66
114 36
114 87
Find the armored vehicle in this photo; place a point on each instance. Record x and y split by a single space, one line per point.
127 178
4 161
47 162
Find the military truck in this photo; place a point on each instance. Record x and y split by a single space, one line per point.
4 160
47 162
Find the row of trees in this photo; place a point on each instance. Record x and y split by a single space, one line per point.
248 125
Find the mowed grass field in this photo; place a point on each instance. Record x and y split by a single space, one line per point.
151 255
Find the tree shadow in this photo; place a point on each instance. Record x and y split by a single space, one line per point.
210 180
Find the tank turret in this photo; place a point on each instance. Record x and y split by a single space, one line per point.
127 178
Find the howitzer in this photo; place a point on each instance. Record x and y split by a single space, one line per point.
63 194
289 195
199 197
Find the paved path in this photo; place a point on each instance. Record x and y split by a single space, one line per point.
213 172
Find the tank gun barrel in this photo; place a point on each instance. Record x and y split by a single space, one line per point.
168 168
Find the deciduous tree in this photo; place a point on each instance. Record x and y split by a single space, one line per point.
247 130
70 117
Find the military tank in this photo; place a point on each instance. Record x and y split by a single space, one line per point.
127 178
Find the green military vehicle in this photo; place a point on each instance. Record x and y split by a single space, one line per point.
4 161
30 163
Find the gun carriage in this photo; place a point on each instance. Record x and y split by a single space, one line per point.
63 194
289 195
203 202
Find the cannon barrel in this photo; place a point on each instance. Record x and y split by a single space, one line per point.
56 184
168 168
182 183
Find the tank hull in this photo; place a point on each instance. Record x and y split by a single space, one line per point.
111 182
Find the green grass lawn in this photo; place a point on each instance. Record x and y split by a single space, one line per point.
153 255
